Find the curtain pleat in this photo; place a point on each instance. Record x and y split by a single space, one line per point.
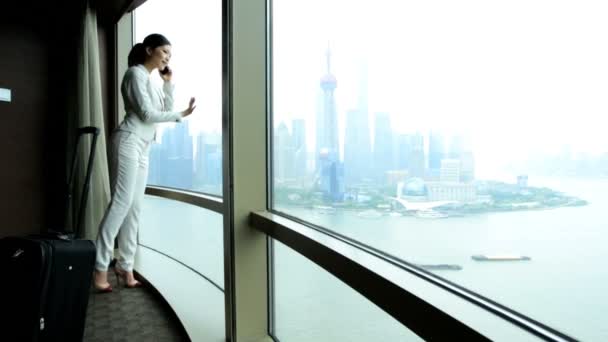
90 113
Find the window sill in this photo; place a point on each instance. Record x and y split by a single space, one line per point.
198 199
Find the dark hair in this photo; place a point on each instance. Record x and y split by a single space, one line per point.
138 52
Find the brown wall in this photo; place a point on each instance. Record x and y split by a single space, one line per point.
24 69
38 63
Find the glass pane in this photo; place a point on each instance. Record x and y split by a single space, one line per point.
187 233
188 155
181 253
313 305
465 137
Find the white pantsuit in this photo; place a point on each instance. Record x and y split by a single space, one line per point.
145 105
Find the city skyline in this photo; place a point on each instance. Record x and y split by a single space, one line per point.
187 162
482 78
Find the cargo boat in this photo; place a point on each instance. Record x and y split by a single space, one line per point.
483 257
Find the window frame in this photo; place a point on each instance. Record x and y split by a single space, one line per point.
318 245
245 274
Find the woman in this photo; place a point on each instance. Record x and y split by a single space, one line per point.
145 105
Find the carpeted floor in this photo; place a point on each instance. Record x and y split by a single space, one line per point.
131 315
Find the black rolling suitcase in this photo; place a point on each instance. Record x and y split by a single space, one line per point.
46 279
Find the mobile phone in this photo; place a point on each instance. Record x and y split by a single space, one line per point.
165 70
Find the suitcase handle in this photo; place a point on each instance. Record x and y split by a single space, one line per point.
85 188
88 130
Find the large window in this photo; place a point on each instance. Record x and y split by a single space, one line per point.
180 252
188 155
181 245
327 309
463 137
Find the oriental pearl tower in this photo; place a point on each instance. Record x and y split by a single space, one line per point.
327 149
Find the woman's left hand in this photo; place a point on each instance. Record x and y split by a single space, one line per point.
167 76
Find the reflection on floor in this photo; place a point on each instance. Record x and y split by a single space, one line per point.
131 315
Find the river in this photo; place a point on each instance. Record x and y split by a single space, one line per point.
563 285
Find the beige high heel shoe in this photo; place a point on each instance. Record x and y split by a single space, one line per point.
101 288
125 276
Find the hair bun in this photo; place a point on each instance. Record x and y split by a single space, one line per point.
137 55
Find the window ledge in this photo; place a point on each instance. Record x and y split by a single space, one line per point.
198 199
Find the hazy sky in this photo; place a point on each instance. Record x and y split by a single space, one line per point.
517 77
194 28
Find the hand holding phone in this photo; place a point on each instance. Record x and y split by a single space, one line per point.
166 73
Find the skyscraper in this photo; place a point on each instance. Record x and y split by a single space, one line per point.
383 146
357 141
213 156
154 164
199 160
213 167
417 157
283 153
327 117
357 151
436 150
467 164
450 171
403 151
298 133
327 148
208 163
460 149
178 171
456 147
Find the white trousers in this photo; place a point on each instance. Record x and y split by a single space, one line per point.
128 174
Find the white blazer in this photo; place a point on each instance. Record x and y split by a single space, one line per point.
145 103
